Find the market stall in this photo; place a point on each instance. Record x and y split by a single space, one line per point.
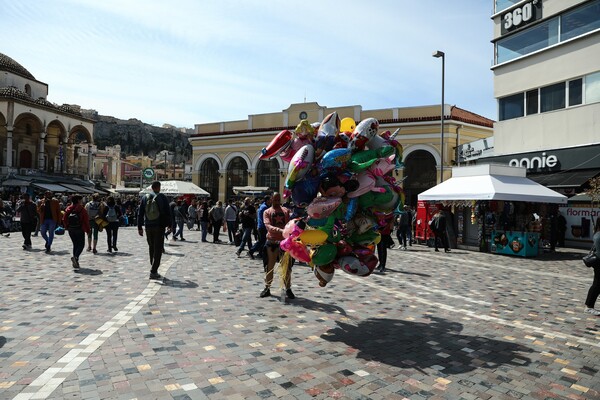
496 208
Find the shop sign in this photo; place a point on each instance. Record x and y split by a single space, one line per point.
580 222
148 173
476 149
544 162
521 16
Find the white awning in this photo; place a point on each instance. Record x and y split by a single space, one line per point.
249 190
178 188
491 182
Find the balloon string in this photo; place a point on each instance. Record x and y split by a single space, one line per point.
284 269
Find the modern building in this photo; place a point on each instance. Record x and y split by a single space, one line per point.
547 83
37 136
227 154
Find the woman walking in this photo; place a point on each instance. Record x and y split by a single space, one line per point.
77 223
594 291
112 214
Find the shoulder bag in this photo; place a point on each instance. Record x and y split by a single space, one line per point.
591 260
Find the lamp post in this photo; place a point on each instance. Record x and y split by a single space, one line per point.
442 55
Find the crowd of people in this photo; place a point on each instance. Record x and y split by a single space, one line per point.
255 226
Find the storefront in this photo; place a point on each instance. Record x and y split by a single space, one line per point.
496 208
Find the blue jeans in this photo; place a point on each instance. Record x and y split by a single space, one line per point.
47 230
231 230
246 237
260 244
179 229
204 227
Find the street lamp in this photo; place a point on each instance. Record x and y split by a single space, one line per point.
442 55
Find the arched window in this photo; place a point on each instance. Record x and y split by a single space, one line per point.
28 89
209 177
268 174
237 175
420 173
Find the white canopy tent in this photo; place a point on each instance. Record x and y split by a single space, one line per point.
178 188
491 182
249 190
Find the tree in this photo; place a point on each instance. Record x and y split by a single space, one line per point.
594 191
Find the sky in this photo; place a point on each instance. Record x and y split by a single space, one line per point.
187 62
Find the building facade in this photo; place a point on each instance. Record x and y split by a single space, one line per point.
547 84
227 154
37 136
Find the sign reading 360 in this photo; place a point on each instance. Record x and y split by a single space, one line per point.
521 15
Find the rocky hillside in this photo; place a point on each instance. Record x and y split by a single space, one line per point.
136 137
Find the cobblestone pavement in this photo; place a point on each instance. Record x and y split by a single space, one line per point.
463 325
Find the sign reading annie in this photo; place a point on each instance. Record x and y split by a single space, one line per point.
536 163
521 15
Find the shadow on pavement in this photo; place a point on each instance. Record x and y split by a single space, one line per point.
2 341
316 306
87 271
179 284
418 345
406 272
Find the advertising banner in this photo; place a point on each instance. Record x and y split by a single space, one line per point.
580 223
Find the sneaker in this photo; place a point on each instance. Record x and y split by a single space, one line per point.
265 293
115 248
89 249
237 253
404 248
251 255
75 263
95 251
24 247
156 276
109 250
437 250
290 294
230 242
592 311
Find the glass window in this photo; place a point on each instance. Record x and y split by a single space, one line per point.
268 174
592 88
504 4
237 175
511 106
527 41
531 97
552 97
209 177
580 21
575 94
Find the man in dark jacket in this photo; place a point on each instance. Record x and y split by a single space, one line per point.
154 214
28 211
438 226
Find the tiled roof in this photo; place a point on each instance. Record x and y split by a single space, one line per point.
8 64
456 114
14 93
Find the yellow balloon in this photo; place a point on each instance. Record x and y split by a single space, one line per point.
347 125
313 237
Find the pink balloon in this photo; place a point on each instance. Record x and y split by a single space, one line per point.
322 207
366 183
292 229
296 249
287 154
382 166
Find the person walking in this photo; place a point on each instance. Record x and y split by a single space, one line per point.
26 208
231 221
76 221
404 220
216 214
262 230
247 217
383 245
192 215
179 216
275 218
92 208
438 226
111 213
154 214
203 218
49 214
594 290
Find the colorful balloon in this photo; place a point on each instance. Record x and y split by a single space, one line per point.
324 254
313 237
278 144
363 132
328 130
347 125
322 207
324 274
296 249
299 165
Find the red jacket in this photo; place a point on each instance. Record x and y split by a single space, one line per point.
83 217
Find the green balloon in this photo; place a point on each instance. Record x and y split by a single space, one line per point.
323 254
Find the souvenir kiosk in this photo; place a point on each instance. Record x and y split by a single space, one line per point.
496 208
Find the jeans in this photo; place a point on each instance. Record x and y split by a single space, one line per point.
204 227
594 291
260 244
78 240
246 238
179 231
231 230
26 229
112 230
47 230
216 229
155 236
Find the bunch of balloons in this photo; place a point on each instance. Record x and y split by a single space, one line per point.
339 180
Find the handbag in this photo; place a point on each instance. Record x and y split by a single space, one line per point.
591 260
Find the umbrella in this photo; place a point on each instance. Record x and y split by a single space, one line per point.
178 188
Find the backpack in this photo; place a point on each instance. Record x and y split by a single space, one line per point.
152 212
74 221
111 216
93 209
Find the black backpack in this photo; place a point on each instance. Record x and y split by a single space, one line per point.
74 220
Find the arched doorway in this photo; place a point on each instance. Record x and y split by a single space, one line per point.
237 175
268 174
25 159
209 177
420 173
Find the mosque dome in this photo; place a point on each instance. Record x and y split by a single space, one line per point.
10 65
